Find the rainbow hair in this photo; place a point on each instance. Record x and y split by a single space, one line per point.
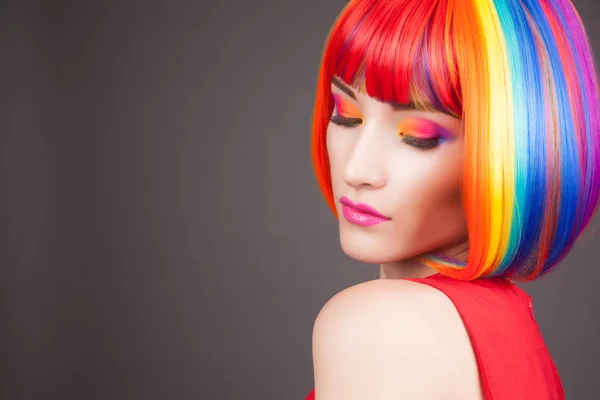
521 75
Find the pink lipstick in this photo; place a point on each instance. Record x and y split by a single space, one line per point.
361 213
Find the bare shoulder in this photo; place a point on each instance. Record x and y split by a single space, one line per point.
390 339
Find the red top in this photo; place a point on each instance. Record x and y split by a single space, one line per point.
512 357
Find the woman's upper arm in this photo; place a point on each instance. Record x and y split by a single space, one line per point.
392 339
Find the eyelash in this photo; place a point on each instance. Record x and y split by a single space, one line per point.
423 144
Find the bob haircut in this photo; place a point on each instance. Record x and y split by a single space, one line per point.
522 77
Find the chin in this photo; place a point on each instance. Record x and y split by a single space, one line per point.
371 250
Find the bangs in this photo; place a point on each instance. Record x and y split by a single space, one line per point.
399 52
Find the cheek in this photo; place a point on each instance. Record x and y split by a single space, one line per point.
431 183
428 206
422 176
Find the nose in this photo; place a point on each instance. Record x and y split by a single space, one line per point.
365 166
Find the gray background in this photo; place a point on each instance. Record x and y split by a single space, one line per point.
162 234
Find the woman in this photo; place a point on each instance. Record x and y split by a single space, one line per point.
458 143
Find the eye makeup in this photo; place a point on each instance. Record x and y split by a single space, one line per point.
423 133
424 129
344 107
346 113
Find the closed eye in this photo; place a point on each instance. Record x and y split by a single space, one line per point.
423 144
346 121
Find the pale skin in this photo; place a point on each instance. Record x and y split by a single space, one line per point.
389 338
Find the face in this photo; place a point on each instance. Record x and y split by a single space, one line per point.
406 164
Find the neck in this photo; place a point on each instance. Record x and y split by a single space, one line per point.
404 269
411 268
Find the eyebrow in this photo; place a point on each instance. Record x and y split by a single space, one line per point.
395 106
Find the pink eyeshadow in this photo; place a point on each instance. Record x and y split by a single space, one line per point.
424 128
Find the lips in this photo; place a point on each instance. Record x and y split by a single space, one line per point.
361 213
362 207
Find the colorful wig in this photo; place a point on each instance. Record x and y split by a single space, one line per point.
521 75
